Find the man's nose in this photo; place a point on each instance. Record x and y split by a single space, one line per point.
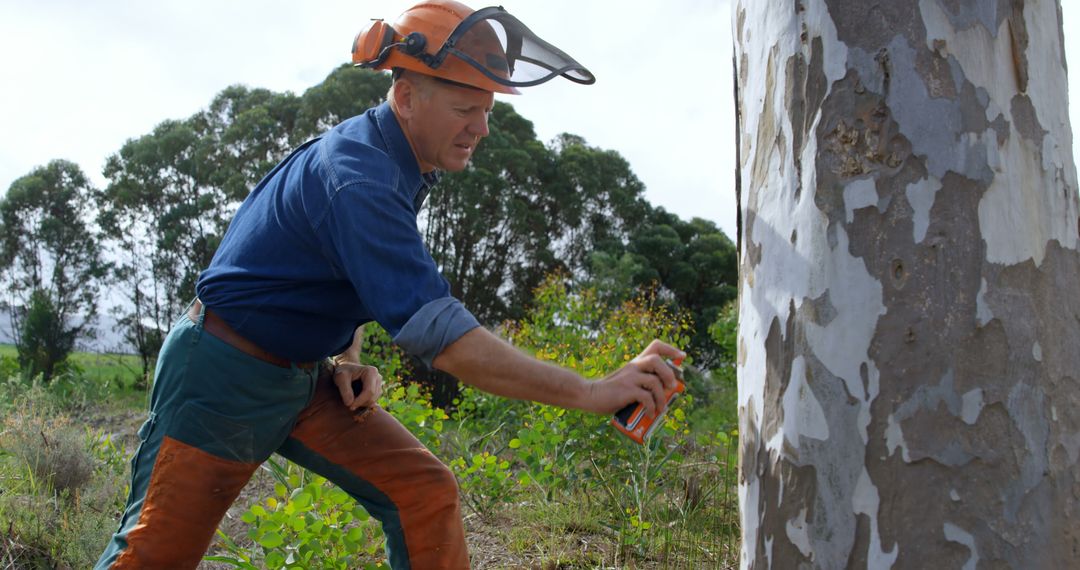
479 127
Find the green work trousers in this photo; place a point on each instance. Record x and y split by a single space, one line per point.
217 413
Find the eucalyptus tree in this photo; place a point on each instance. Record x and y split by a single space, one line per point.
909 321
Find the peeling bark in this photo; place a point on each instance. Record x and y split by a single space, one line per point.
909 344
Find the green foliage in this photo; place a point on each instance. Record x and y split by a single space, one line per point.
247 132
348 91
84 382
660 497
307 523
725 332
409 403
485 480
718 412
44 341
379 350
164 212
9 368
413 409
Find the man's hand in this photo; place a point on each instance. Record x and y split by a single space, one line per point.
642 380
347 372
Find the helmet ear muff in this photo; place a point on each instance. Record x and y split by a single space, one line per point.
370 47
414 44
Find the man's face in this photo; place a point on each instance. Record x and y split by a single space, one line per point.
448 122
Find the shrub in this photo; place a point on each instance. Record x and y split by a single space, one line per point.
53 450
44 340
561 452
307 523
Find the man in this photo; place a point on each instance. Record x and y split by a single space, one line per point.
325 242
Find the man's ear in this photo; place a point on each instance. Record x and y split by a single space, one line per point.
404 94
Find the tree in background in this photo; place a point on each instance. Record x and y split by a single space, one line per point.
597 199
689 265
909 321
247 132
51 263
694 265
163 218
346 92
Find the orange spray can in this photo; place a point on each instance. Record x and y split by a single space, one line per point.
638 425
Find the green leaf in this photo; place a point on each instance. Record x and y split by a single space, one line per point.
301 499
271 540
355 534
338 497
274 560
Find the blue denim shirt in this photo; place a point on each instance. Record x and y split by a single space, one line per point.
327 241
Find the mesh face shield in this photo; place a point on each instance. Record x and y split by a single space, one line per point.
499 46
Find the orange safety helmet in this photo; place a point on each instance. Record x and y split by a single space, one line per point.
487 49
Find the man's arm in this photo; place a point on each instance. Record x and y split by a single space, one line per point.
481 359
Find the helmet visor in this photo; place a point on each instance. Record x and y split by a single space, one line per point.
506 51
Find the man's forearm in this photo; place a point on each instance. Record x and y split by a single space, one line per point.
481 359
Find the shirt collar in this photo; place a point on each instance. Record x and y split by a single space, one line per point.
397 146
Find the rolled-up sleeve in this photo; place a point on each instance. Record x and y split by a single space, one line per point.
435 326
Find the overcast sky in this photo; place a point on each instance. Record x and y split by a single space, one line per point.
81 77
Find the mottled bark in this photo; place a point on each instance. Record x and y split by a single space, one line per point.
909 347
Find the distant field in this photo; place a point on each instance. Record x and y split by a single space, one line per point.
122 369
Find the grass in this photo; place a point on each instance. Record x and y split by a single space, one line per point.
123 370
559 534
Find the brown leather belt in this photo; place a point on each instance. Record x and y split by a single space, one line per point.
214 325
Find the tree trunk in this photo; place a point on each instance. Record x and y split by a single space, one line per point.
909 343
